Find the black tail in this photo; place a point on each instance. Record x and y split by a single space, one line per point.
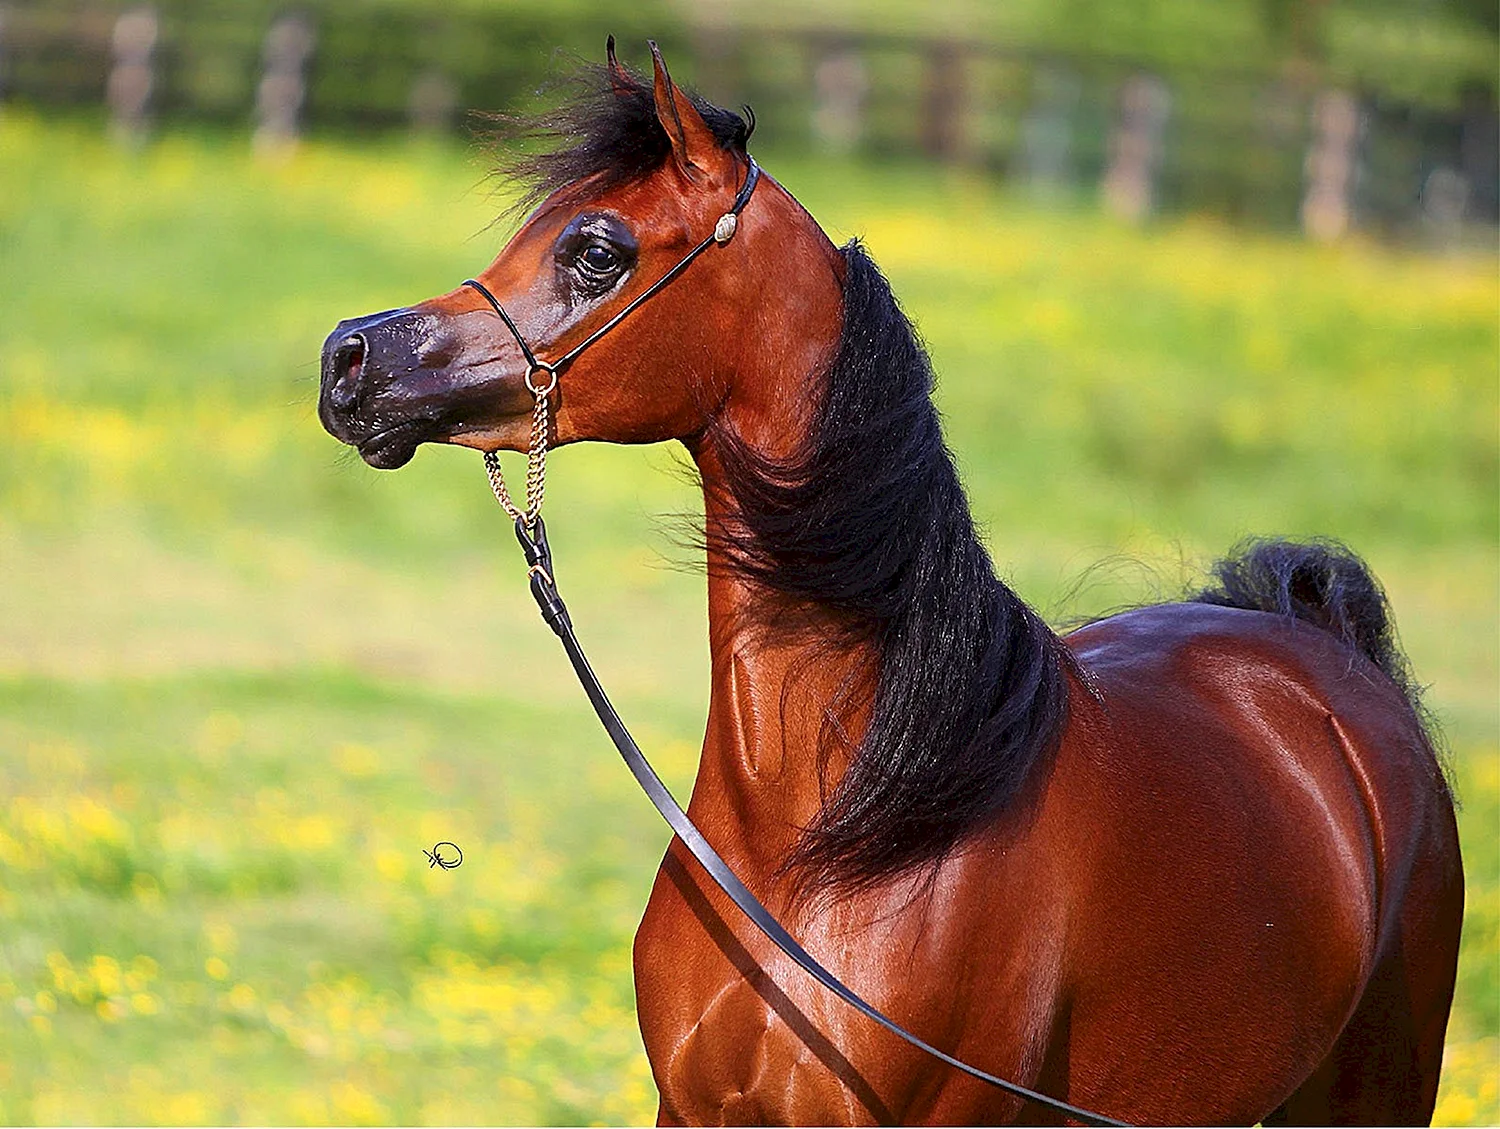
1325 584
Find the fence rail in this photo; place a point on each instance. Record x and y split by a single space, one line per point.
1270 148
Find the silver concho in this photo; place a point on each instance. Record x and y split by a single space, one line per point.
724 229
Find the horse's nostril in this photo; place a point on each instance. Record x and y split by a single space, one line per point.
349 359
348 365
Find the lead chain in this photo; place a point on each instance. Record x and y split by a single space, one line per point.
536 466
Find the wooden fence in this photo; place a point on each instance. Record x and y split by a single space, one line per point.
1275 149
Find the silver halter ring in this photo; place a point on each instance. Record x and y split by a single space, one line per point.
541 366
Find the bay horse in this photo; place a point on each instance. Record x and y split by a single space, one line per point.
1192 863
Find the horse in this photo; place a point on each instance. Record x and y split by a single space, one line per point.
1195 862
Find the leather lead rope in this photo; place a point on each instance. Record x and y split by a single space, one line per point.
532 534
555 613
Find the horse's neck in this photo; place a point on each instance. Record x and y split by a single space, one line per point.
774 692
761 778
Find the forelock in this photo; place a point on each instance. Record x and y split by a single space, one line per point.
604 131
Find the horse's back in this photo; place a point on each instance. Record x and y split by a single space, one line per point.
1260 821
1286 702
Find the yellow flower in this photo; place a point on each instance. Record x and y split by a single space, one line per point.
390 864
145 1003
355 1105
1455 1109
106 973
184 1109
221 937
356 760
95 820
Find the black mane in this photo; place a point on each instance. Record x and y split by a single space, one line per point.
870 524
606 132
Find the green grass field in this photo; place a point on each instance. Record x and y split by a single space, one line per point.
245 681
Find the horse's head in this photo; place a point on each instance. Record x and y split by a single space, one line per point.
647 176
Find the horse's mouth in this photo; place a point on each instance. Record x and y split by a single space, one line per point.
394 447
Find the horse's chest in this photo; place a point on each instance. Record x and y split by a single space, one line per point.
740 1064
729 1041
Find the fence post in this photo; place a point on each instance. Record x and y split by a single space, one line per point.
283 85
1327 208
4 53
432 102
943 106
840 85
128 91
1135 147
1479 152
1047 133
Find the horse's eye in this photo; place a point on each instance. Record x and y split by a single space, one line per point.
593 253
599 261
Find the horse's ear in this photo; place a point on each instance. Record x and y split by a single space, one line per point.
693 143
617 76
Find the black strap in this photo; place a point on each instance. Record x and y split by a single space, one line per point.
544 591
752 178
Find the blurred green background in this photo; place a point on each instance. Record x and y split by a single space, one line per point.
245 680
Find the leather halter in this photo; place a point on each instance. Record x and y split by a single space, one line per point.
532 534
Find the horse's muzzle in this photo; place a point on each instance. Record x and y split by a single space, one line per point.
363 360
394 380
